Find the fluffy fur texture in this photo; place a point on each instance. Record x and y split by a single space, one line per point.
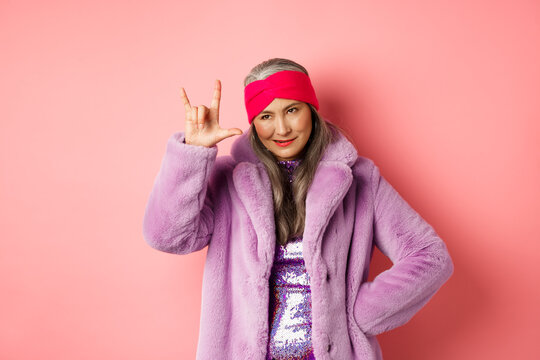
225 203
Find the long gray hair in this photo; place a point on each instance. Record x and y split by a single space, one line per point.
290 203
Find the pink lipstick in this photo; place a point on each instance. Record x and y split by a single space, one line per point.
284 143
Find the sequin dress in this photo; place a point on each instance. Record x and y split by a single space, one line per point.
290 298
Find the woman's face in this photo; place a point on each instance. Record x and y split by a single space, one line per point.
284 119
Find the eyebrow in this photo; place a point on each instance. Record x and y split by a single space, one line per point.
287 107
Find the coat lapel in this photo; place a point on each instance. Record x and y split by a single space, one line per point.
330 184
254 190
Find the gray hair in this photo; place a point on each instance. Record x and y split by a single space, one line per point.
290 202
270 67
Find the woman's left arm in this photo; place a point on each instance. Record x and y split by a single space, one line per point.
421 263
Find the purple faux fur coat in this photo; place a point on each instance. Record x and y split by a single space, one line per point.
225 203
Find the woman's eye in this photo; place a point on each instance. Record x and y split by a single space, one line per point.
293 109
264 117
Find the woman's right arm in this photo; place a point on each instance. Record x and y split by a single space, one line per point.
179 214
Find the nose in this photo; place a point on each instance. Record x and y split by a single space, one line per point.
282 125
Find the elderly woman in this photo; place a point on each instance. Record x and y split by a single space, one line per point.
290 219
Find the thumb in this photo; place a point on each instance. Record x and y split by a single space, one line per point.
225 133
235 131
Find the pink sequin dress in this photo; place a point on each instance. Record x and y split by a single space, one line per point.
290 298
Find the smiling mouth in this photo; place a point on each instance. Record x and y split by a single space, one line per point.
283 143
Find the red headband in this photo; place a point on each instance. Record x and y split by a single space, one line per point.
285 84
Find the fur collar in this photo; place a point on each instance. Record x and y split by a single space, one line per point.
330 184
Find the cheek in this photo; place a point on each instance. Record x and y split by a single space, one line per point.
263 130
304 124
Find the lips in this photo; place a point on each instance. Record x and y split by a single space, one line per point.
283 143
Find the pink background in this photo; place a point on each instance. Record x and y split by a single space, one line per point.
442 95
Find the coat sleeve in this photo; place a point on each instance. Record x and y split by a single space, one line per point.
179 215
421 263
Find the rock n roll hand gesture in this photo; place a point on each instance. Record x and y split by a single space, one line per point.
202 126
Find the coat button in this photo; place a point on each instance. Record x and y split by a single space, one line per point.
329 347
327 277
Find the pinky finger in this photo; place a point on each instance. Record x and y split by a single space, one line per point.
193 119
190 125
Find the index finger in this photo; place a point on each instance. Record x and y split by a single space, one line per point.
187 105
217 96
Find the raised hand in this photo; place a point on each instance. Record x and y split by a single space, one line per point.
202 123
